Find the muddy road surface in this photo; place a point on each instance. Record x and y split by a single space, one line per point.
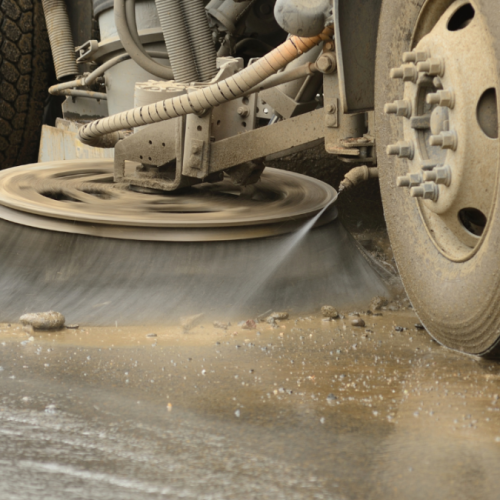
304 409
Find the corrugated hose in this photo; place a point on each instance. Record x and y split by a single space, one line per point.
207 97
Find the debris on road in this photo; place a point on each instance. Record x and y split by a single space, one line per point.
51 320
329 312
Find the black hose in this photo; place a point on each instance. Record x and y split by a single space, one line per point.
137 53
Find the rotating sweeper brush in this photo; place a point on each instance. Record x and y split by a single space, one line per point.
103 252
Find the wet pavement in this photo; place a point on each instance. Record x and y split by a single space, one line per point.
305 409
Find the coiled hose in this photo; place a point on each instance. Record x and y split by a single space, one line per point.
137 52
201 40
176 35
207 97
60 37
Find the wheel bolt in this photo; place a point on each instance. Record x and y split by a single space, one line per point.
427 191
399 108
406 73
447 140
440 175
401 149
409 180
442 98
415 57
432 67
428 165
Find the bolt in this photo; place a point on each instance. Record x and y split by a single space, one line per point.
415 57
437 82
428 191
243 111
410 180
327 62
428 165
401 149
432 67
440 175
399 108
447 140
406 73
332 108
442 98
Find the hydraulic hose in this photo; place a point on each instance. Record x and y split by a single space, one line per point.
207 97
200 38
67 88
60 37
176 36
140 57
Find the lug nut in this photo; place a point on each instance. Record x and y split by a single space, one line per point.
406 73
437 82
410 180
442 98
415 57
432 67
440 175
428 165
427 191
401 150
447 140
399 108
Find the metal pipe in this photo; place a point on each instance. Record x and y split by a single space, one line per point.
357 175
176 36
144 61
207 97
60 37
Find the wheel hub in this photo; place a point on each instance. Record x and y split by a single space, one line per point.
450 130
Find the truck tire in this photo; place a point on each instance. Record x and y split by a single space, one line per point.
444 225
25 68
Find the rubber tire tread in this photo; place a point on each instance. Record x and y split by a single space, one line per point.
458 303
25 63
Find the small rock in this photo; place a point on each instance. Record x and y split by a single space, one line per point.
327 320
329 312
221 325
237 413
279 315
249 325
151 335
399 328
51 320
377 303
271 320
189 322
331 398
73 327
419 326
357 322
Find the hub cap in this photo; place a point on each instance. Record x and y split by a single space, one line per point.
450 130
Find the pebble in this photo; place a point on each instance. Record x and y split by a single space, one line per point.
279 315
271 320
331 398
51 320
377 303
189 322
151 335
221 325
249 325
73 327
329 312
358 322
419 326
237 413
399 328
